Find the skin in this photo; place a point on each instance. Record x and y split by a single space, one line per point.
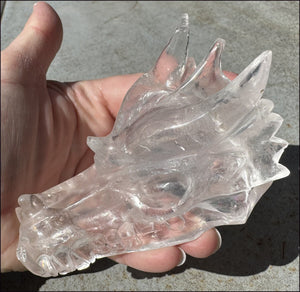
44 126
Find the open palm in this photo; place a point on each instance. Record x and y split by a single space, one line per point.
44 126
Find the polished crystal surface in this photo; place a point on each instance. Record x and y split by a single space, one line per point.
189 150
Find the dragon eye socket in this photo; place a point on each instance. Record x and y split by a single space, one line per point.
164 192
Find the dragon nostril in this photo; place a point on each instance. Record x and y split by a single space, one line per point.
36 203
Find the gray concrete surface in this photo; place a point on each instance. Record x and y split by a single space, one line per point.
109 38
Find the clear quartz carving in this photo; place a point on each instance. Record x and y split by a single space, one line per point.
189 150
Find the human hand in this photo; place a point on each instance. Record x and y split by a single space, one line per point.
44 129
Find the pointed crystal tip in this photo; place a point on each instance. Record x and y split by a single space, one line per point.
219 43
265 56
184 21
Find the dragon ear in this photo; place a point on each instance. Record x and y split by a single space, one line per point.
211 76
250 84
208 77
170 67
241 95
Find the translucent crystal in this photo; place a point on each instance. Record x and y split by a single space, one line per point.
189 150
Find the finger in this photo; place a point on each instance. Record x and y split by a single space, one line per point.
153 261
115 88
165 259
207 244
109 91
40 39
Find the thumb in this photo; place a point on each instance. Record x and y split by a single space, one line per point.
40 39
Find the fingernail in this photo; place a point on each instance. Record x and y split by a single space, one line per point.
220 239
183 258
